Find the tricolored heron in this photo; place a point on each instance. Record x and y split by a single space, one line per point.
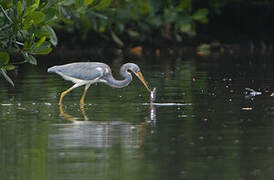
87 73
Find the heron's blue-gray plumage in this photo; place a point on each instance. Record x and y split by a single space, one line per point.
83 71
87 73
91 72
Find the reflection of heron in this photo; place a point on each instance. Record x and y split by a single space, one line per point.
87 73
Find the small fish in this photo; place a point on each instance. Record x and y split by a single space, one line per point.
153 95
272 95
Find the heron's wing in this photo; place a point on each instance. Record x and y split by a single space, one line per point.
83 71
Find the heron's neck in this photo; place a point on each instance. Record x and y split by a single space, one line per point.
120 83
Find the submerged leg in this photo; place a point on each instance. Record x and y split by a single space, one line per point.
66 91
84 95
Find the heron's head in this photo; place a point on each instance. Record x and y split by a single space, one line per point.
136 70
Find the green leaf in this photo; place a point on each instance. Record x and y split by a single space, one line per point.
133 33
4 57
102 4
88 2
185 4
41 33
29 42
37 2
9 67
51 15
200 15
186 28
45 48
42 51
5 14
66 2
145 8
30 59
30 9
37 17
170 15
27 24
33 18
116 39
52 36
153 20
19 8
40 42
77 4
4 73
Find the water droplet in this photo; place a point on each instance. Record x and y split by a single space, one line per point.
269 149
6 104
220 138
183 173
256 172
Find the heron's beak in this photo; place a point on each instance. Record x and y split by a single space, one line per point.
140 76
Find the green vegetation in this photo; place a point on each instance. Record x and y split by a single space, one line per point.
28 26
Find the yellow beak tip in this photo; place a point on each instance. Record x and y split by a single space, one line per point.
140 76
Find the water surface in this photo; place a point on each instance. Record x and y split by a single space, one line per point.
219 133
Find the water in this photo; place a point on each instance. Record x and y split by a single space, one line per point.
218 131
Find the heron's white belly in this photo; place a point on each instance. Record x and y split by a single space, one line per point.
74 80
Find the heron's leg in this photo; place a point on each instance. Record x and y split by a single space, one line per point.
83 112
84 95
66 91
